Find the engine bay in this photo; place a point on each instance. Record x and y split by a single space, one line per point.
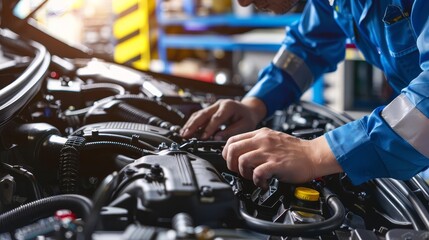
91 150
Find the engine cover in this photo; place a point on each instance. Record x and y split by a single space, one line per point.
176 182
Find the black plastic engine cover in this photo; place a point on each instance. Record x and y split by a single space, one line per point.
151 134
175 182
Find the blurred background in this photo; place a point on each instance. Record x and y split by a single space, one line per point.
214 41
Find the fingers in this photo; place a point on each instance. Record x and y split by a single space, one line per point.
232 151
232 130
211 118
198 120
248 162
241 137
234 139
263 173
222 115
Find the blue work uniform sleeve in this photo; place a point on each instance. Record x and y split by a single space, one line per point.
316 41
392 140
275 88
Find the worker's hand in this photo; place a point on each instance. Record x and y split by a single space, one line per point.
238 117
264 153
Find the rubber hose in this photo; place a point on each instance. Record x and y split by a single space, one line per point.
69 162
68 170
130 113
305 230
30 212
164 111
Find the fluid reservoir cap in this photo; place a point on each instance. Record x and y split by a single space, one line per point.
306 194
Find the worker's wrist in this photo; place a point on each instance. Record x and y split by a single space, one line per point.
322 158
256 107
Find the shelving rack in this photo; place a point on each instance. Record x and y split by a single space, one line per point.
224 42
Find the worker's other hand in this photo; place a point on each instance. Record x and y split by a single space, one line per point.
238 117
264 153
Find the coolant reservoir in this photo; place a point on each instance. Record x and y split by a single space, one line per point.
305 207
307 194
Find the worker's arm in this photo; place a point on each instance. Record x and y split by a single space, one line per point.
312 47
393 140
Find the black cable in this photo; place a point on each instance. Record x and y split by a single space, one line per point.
31 212
310 229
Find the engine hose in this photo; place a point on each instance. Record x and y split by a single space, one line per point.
116 145
68 170
70 158
308 229
31 212
130 113
163 110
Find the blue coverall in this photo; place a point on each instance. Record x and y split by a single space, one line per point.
393 35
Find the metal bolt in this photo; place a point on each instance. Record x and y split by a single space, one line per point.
174 147
362 196
162 146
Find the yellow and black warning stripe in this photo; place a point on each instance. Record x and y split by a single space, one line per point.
133 32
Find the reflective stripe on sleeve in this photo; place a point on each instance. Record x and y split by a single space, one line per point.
295 67
408 122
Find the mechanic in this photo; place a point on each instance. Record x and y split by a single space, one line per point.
393 35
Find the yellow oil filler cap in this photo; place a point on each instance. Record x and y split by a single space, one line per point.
306 194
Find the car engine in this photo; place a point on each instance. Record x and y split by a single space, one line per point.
91 150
